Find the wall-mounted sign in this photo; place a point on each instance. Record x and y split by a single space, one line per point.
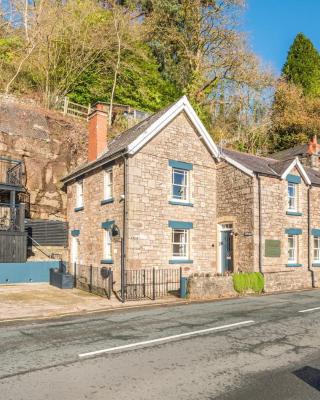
272 248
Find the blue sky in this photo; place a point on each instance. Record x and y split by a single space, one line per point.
273 24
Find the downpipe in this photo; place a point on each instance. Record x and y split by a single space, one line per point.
124 228
309 237
260 223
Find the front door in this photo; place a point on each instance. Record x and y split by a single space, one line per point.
226 262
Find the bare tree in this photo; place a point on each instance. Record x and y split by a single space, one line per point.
28 16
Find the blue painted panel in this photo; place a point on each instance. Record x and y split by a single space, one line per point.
180 165
79 209
180 225
293 179
75 232
107 261
293 231
315 232
107 224
29 272
294 213
294 265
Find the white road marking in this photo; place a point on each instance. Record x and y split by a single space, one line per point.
310 309
164 339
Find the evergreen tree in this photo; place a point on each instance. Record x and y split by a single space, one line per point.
302 66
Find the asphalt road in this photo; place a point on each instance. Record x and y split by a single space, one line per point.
276 356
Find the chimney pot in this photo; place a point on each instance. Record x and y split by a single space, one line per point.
98 124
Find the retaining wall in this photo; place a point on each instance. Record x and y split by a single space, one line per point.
287 281
203 287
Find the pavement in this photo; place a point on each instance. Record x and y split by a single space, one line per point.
32 301
249 348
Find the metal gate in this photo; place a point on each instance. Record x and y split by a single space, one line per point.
95 280
151 283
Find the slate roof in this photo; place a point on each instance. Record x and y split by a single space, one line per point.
299 150
257 164
267 165
313 175
119 145
280 166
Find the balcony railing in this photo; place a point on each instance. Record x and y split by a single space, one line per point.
12 218
11 171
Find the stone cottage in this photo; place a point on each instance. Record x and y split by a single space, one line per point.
274 207
177 200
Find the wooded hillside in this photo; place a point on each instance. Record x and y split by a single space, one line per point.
147 53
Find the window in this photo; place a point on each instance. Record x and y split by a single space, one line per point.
180 184
292 249
292 197
316 249
108 184
79 200
107 246
180 243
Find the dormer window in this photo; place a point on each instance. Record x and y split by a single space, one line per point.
292 197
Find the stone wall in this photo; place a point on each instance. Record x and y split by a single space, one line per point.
89 220
235 204
289 280
149 193
202 287
275 220
315 278
35 253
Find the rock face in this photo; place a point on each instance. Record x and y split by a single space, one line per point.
50 145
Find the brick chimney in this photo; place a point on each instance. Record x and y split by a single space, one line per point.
313 146
314 152
98 124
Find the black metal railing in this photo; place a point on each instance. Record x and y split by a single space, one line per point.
97 280
11 171
151 283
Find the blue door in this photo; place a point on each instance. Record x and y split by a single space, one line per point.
226 251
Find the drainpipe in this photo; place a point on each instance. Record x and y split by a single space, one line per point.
124 228
260 224
309 237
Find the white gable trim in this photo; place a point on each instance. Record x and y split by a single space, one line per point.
181 105
238 165
297 163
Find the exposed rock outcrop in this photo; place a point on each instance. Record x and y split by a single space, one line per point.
50 145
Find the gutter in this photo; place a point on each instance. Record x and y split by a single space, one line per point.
96 164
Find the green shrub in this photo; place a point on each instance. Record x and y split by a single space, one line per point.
242 282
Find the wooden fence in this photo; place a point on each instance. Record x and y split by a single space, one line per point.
13 246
